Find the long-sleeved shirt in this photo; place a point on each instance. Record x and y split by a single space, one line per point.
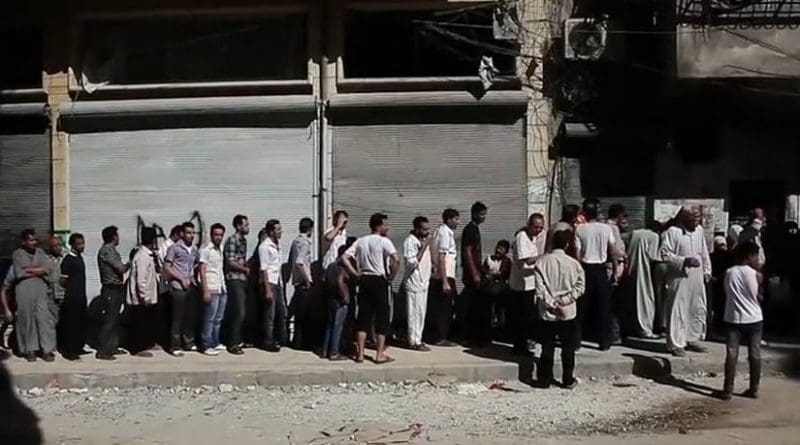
560 281
677 245
418 270
143 281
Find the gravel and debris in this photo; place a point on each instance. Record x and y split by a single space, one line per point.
429 410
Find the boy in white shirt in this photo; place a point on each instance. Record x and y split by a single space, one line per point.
743 317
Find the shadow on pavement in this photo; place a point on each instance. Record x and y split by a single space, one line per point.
659 369
526 363
19 425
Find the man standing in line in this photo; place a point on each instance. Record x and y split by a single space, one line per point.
597 249
370 253
684 248
334 238
142 295
179 266
55 253
642 252
569 217
620 307
417 253
474 308
274 316
236 272
72 317
560 282
35 327
212 283
112 275
443 285
524 254
300 258
174 237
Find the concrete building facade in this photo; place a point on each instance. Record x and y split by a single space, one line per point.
157 112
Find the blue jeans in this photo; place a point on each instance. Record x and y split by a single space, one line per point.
212 319
333 332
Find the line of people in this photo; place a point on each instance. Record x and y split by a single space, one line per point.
563 284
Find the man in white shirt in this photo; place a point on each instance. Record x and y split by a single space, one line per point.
443 282
524 254
598 247
212 285
334 238
560 282
743 317
417 254
371 253
684 249
274 315
142 296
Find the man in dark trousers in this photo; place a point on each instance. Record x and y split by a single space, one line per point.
72 317
179 266
300 258
473 309
236 273
112 275
598 247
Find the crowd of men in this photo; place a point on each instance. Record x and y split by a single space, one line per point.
581 278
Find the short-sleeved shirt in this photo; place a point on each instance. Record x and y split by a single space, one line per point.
522 275
445 242
471 236
183 259
741 292
269 258
370 252
211 256
299 254
235 252
11 277
596 240
108 261
333 248
73 269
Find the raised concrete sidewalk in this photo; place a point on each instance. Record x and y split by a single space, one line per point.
291 367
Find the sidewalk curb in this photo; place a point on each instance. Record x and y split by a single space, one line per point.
644 365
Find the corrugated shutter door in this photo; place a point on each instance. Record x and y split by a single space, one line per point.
421 169
25 200
635 207
165 175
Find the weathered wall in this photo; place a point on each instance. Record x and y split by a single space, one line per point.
719 52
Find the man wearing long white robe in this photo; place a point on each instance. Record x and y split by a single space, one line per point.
642 251
417 253
684 249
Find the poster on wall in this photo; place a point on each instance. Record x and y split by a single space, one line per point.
715 218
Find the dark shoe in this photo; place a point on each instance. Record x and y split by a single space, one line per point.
445 344
49 357
120 351
236 350
337 358
696 347
175 352
30 357
143 354
604 348
750 393
71 357
190 348
521 352
422 347
724 395
107 357
271 347
678 352
571 384
543 383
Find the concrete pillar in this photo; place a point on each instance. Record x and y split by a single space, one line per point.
541 21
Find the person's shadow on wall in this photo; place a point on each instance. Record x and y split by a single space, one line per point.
19 425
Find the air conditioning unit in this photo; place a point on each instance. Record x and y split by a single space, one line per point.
585 37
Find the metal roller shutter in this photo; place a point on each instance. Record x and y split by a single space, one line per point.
635 207
25 199
163 176
421 169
